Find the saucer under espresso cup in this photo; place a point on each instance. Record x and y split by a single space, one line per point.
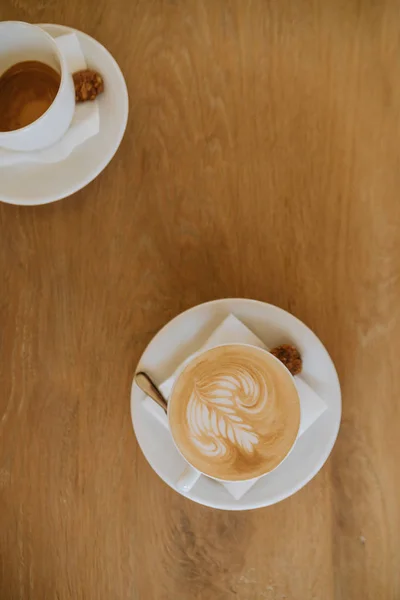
233 413
21 42
40 183
186 334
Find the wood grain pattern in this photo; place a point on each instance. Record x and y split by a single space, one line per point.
262 160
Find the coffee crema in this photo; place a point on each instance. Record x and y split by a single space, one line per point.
234 412
27 90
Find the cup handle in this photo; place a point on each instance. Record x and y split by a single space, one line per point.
187 480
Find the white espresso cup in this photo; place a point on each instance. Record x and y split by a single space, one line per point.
191 474
22 41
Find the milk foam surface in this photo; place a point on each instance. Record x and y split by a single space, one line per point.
234 412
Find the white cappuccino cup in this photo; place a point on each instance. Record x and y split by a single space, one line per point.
192 472
23 41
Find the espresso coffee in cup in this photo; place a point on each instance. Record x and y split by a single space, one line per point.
234 412
27 90
37 95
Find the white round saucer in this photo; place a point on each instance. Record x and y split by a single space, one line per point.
186 333
31 184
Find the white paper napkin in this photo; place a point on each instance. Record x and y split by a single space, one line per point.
232 331
85 123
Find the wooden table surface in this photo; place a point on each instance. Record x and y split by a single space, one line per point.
261 159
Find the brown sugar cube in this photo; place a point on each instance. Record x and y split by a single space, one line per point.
88 85
290 357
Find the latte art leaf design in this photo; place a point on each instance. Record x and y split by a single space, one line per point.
234 412
217 411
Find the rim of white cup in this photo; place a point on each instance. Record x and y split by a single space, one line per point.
63 74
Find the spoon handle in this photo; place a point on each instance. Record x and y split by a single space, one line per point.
149 388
